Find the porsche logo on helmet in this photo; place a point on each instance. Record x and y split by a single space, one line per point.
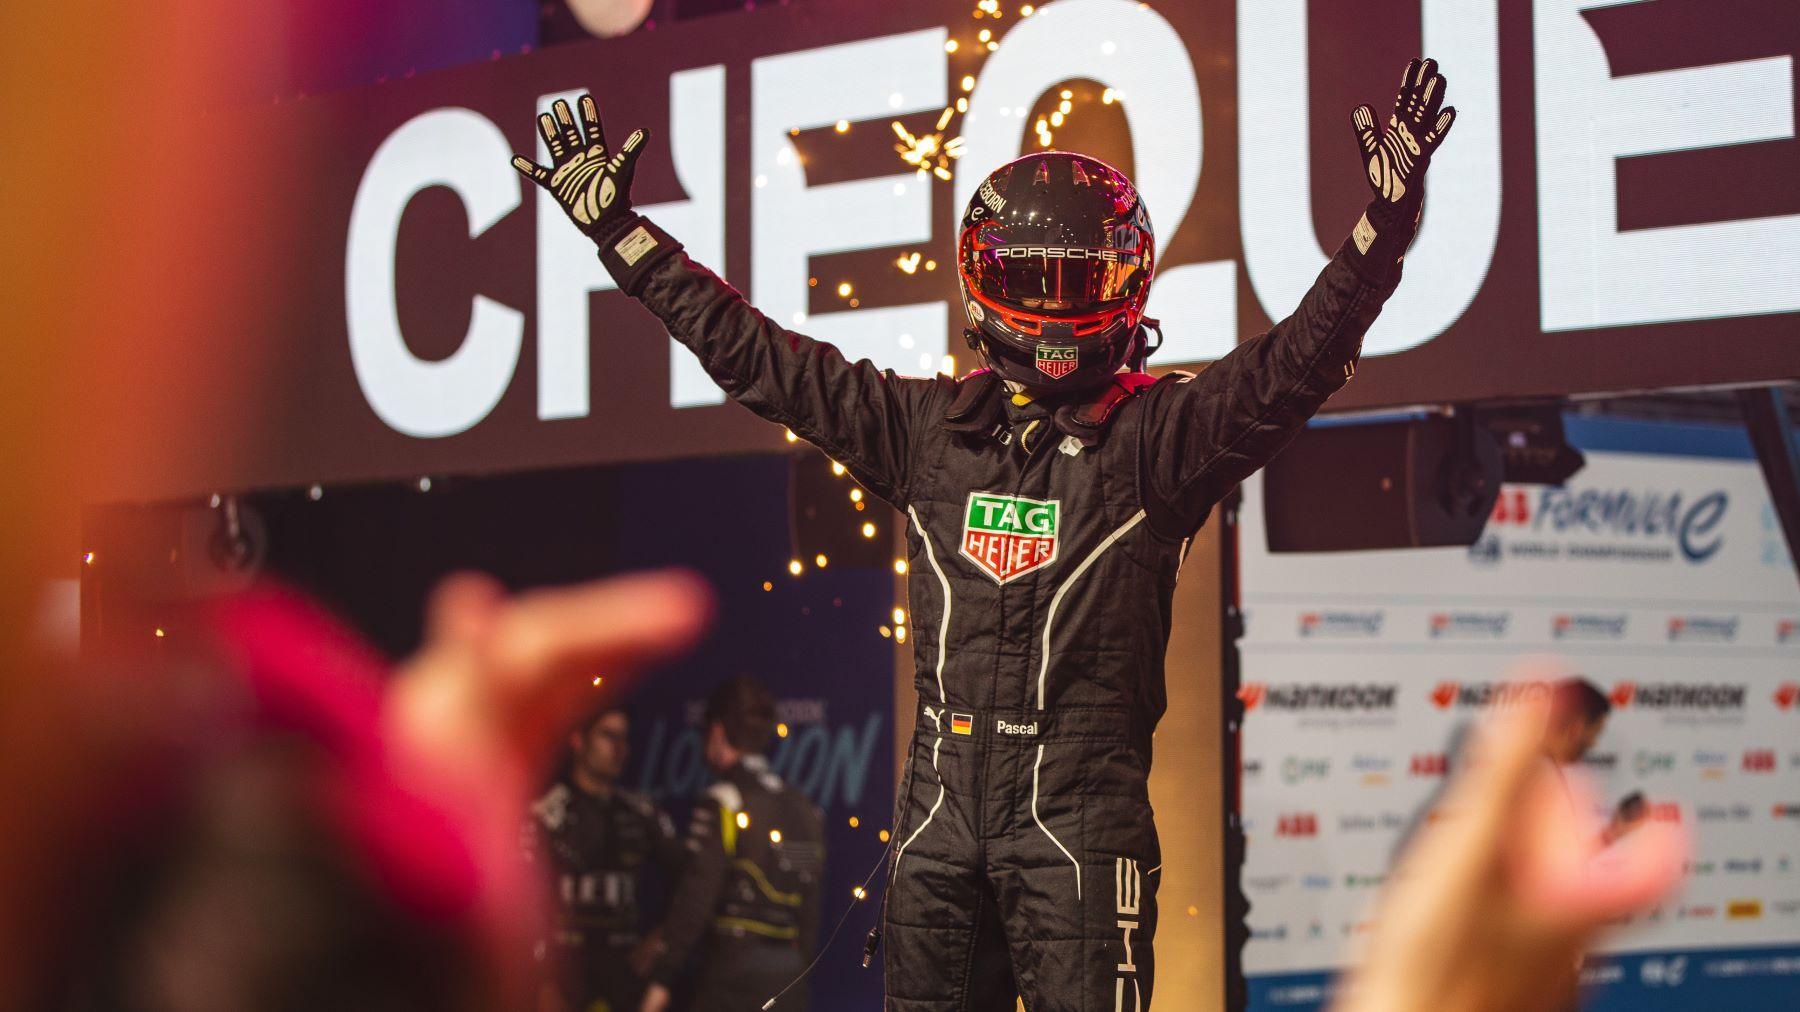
1056 362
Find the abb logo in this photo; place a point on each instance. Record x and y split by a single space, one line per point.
1759 760
1511 508
1787 694
1251 694
1297 824
1429 764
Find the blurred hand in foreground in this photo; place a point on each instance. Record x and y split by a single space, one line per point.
1494 903
265 816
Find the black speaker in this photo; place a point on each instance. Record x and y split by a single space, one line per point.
1417 483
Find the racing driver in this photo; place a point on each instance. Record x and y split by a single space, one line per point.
1050 497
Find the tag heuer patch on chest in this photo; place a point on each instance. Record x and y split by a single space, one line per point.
1057 362
1009 536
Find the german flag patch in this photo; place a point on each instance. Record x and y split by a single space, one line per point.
962 723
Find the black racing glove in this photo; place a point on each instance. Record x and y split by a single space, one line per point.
1396 160
595 190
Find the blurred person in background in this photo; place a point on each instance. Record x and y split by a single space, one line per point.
756 858
599 842
1578 719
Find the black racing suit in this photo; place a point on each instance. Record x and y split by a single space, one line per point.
598 849
756 857
1043 549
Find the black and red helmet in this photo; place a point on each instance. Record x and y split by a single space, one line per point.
1055 256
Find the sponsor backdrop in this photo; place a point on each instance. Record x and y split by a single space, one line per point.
1664 579
404 304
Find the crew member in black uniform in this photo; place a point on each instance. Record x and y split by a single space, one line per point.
598 841
756 855
1051 496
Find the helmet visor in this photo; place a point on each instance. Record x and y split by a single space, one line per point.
1054 280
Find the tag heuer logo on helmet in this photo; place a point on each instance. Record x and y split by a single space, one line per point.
1056 362
1009 536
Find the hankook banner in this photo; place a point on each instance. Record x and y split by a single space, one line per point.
1665 581
1616 210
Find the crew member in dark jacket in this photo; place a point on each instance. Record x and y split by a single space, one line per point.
756 855
598 840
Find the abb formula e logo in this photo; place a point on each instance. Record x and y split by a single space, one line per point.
1297 824
1347 624
1588 626
1491 625
1710 628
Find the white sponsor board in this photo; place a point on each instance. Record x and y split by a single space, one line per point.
1665 581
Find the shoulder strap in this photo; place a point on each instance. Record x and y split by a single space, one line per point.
1088 420
976 410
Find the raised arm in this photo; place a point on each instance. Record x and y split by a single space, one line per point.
858 414
1216 429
